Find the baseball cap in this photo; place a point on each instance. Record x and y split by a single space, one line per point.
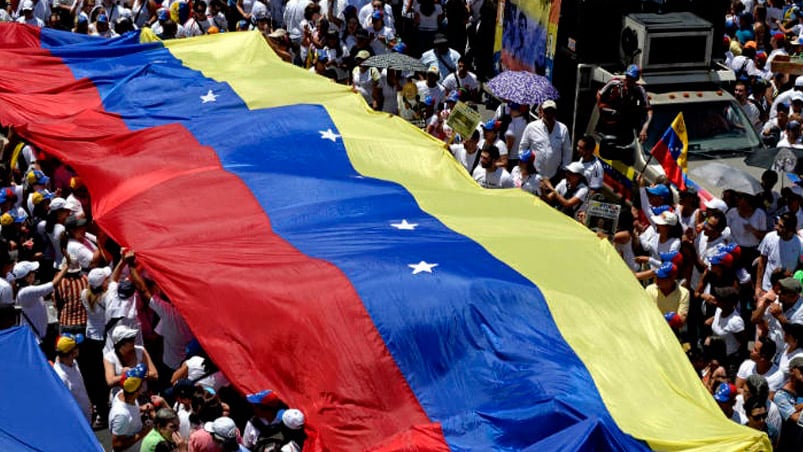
223 427
73 221
132 379
122 332
527 156
264 397
27 5
548 104
36 176
799 81
97 276
454 96
666 218
400 47
102 19
575 167
40 196
429 101
672 256
163 14
491 124
10 218
433 70
793 124
790 285
23 268
659 190
797 96
58 203
716 204
440 38
362 55
796 363
633 71
125 289
724 259
725 393
666 270
262 15
731 248
293 419
278 33
66 342
376 15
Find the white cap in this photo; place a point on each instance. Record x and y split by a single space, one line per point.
433 70
97 276
575 167
223 428
57 203
666 218
716 203
293 419
799 80
549 104
122 332
22 268
27 5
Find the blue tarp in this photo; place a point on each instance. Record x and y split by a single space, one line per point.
38 412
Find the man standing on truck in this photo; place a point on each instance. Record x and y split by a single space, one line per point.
624 107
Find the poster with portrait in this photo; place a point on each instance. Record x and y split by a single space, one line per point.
528 35
603 217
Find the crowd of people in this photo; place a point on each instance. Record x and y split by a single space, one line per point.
113 337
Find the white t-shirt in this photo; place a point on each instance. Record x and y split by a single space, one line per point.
436 92
173 329
6 292
469 82
84 250
32 300
650 241
71 377
497 179
726 328
594 173
95 317
428 23
737 223
780 254
498 143
515 129
582 191
195 370
781 376
748 367
530 183
124 420
462 156
774 328
364 82
54 237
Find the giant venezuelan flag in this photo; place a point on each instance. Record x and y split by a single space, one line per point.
342 258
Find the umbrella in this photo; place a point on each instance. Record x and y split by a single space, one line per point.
522 87
396 61
725 177
776 159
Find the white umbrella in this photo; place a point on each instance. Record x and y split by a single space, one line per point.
725 177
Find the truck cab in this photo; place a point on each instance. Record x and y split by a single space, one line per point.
676 53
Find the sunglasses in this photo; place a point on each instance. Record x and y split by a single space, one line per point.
759 417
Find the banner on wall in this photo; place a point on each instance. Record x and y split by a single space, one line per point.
526 35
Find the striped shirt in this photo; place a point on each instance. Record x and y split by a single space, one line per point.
68 297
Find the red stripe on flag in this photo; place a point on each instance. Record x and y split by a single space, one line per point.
171 200
674 173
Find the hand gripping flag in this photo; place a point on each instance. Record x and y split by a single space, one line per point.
671 151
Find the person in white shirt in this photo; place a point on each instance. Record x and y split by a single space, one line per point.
759 363
125 421
525 176
549 140
793 348
463 80
748 226
791 139
490 137
466 152
267 412
780 248
431 87
726 322
773 312
28 17
489 174
594 172
515 129
200 369
67 369
365 15
32 297
570 193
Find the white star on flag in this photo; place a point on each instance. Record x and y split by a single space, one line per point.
328 134
422 267
209 97
404 225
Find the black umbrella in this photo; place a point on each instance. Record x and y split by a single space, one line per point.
396 61
783 159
